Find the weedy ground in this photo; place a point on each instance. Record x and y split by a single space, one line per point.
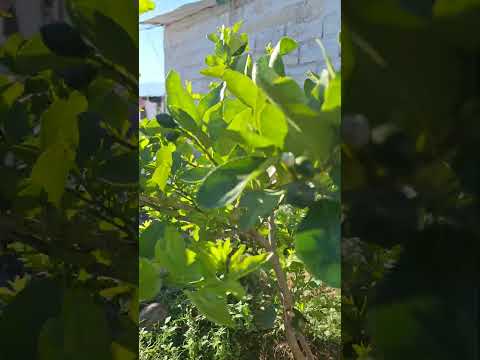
187 335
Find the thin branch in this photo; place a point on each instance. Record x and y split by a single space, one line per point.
200 145
149 201
123 142
186 196
127 229
292 337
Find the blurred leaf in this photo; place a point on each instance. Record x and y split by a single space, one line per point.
51 170
317 241
145 6
80 332
265 317
23 318
120 170
101 21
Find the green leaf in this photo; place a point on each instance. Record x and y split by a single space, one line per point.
9 95
179 97
422 8
23 318
283 91
226 183
209 100
60 121
242 87
242 265
264 127
214 307
258 204
51 169
216 71
310 131
388 12
189 124
34 56
81 331
317 241
233 287
165 120
218 253
64 40
244 125
194 175
232 107
16 124
451 8
112 107
150 281
348 57
213 37
171 254
91 135
148 238
170 250
164 166
333 94
284 46
121 170
145 6
50 340
265 317
100 21
274 125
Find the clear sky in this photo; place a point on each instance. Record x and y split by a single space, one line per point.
151 43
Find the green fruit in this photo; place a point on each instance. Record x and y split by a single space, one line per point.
64 40
79 76
304 167
172 136
166 121
300 194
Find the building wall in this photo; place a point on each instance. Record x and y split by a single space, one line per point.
265 21
32 14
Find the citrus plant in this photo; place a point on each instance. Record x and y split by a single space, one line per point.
216 168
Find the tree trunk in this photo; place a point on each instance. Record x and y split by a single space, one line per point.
296 340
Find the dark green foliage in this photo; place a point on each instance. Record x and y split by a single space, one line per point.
410 196
166 121
68 199
64 40
300 194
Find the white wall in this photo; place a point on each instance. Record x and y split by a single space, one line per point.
265 21
32 14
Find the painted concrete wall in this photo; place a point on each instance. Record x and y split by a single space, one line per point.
32 14
265 21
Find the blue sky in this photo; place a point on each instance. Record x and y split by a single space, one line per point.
151 45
